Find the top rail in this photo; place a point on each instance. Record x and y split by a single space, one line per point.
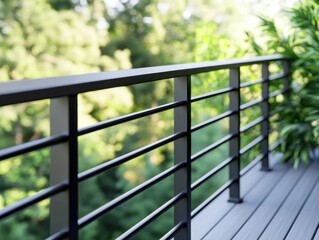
31 90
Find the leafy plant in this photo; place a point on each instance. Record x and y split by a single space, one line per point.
298 122
299 113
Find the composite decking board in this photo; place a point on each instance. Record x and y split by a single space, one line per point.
234 220
206 219
267 209
308 219
316 237
286 215
215 211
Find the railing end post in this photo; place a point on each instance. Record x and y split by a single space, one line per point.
265 125
235 200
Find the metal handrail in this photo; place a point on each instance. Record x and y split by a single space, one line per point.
30 90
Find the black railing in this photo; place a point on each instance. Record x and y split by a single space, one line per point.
63 91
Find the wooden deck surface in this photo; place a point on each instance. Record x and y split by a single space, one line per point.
280 204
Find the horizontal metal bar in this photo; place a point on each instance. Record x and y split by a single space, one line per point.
128 195
275 145
31 146
252 164
158 212
278 76
251 104
252 144
170 234
212 94
63 234
251 83
252 124
211 198
129 156
211 173
129 117
29 201
212 120
276 93
211 147
13 92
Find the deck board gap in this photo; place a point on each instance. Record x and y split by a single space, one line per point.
263 215
233 221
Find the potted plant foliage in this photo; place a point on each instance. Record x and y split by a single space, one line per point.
298 121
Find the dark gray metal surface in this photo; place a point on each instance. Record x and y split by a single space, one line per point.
234 143
182 154
265 114
30 90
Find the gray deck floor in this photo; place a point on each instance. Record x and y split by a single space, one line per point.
280 204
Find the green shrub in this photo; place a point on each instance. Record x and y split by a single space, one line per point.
299 113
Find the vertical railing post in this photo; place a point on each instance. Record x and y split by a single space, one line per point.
59 167
265 115
182 153
234 143
63 166
73 168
